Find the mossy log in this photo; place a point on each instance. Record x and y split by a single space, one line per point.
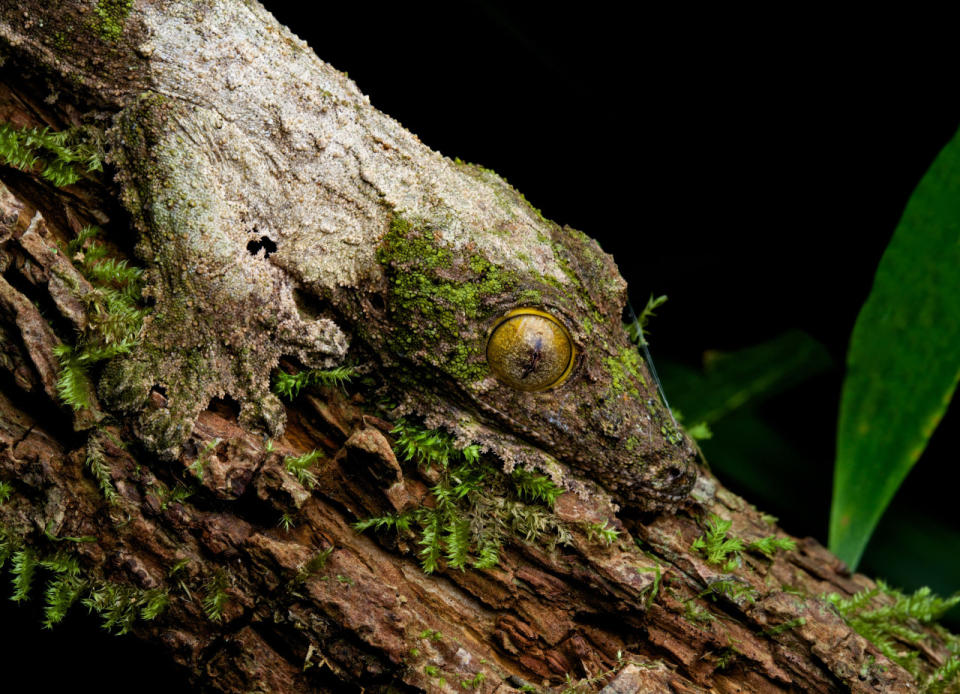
181 514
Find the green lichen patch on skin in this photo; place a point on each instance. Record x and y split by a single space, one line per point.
436 296
626 372
111 16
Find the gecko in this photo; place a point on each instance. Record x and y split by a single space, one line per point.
280 215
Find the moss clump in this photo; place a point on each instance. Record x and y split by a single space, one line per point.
894 627
530 297
476 507
436 297
119 605
61 154
290 385
115 316
721 548
110 18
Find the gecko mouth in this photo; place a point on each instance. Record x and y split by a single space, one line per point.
672 483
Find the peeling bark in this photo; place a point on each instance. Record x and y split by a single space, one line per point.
319 606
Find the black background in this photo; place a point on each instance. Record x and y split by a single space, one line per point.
751 167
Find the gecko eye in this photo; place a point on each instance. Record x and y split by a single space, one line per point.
530 350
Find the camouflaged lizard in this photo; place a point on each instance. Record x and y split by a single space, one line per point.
232 145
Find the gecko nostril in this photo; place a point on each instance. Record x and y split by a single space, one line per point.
266 243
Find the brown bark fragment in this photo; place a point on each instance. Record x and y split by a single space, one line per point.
38 338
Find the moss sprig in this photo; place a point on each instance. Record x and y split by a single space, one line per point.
603 532
429 447
120 605
770 545
475 505
114 317
61 154
23 566
716 546
637 329
299 467
216 597
722 549
289 385
61 594
534 487
97 465
895 628
316 563
591 684
941 678
167 495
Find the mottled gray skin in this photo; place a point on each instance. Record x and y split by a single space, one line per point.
403 256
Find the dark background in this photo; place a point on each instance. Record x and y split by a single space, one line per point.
750 167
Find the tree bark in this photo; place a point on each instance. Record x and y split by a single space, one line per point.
319 606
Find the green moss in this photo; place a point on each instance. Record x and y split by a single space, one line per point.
61 42
477 168
625 372
119 605
62 155
892 625
534 209
720 547
463 367
110 18
436 297
475 505
115 316
530 297
587 325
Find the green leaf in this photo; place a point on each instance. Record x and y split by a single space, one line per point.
904 358
733 380
724 398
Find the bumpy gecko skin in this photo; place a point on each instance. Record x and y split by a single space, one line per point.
604 418
384 249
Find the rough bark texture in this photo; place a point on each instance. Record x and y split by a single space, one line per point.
224 130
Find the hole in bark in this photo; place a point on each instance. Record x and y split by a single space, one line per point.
158 396
225 407
266 243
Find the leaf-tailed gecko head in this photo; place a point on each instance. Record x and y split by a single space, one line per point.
514 338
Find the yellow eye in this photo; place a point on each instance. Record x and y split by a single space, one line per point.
530 350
